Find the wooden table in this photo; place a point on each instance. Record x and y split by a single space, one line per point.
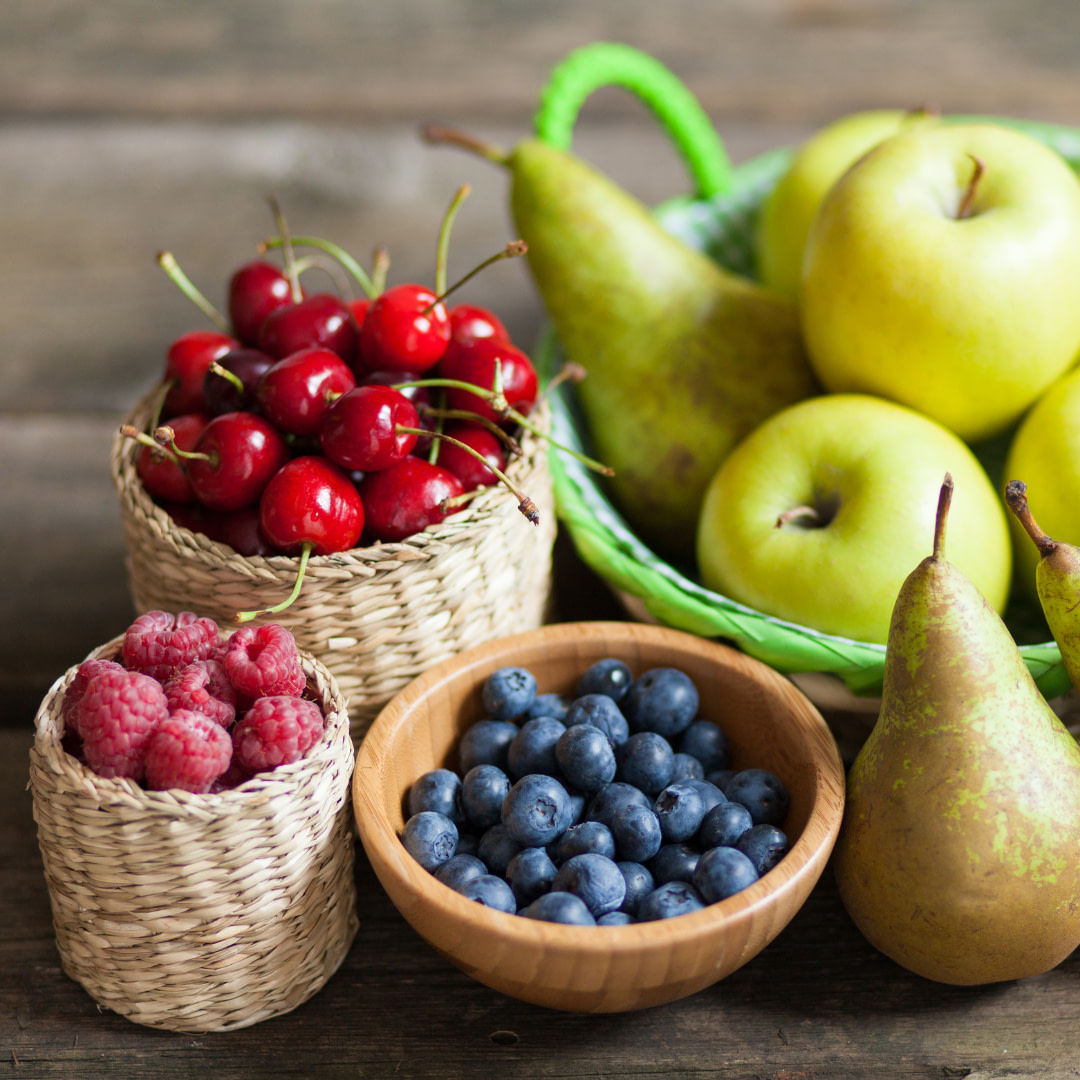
130 127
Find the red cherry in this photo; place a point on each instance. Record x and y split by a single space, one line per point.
469 321
405 330
361 429
418 395
185 366
223 394
195 517
359 309
240 529
297 391
161 474
255 290
474 362
321 320
472 473
311 501
406 498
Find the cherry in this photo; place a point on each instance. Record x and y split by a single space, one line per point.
359 309
255 290
475 362
469 321
420 396
240 529
194 517
186 363
406 329
361 429
406 498
321 320
230 383
472 473
297 391
159 469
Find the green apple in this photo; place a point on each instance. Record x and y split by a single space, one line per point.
940 272
819 515
790 207
1045 454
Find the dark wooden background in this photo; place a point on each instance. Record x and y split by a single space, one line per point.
127 126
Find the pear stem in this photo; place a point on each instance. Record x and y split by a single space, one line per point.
247 616
1016 498
968 203
809 514
167 261
944 502
436 133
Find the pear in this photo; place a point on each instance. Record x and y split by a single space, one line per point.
959 854
682 358
1057 580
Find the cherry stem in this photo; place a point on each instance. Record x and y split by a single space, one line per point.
330 248
167 261
512 250
141 437
165 438
944 502
227 375
436 133
442 249
968 202
330 267
286 244
1016 498
569 372
808 514
511 444
305 554
380 267
440 426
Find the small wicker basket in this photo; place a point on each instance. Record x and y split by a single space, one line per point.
199 912
377 616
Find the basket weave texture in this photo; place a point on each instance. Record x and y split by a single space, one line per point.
377 616
199 912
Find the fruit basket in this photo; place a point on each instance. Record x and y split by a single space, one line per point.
199 912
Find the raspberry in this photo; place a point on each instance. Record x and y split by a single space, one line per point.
118 713
77 687
203 687
264 662
189 750
276 731
158 643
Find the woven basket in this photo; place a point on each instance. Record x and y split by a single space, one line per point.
377 616
199 912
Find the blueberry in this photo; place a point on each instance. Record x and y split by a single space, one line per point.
673 862
438 790
486 743
721 778
559 907
764 846
615 918
724 824
646 761
663 700
482 794
496 848
585 757
712 795
430 838
609 800
536 810
600 711
680 808
468 843
610 677
639 883
578 801
596 879
459 869
706 741
762 793
533 748
581 839
508 692
492 892
668 900
687 768
636 830
723 871
553 705
530 874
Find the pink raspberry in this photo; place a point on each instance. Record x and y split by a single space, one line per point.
158 643
203 687
189 751
264 662
118 713
276 731
69 711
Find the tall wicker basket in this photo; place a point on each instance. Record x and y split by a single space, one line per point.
377 616
199 912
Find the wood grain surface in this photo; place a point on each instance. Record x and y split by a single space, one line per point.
129 126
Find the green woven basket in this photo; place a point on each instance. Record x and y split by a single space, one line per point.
720 220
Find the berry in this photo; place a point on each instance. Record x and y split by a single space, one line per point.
491 891
600 711
639 883
158 643
610 676
536 810
118 713
186 363
764 846
222 394
468 321
483 789
486 742
406 498
430 838
615 918
459 869
240 529
560 907
724 824
594 878
276 730
204 687
508 692
585 757
762 793
710 793
646 761
474 362
663 700
584 838
674 862
680 809
705 741
636 830
722 872
404 330
530 874
533 748
318 321
264 661
77 688
363 428
255 290
497 847
161 474
310 501
686 768
188 750
471 472
668 900
297 392
553 705
607 802
438 790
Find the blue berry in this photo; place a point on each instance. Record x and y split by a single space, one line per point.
553 705
646 761
615 918
485 743
596 879
636 830
639 883
536 810
492 892
712 795
762 793
430 838
668 900
663 700
533 748
721 778
687 768
723 871
707 742
459 869
482 794
680 808
559 907
508 692
585 757
589 836
600 711
610 677
496 848
764 846
673 862
723 825
468 843
608 801
438 790
530 874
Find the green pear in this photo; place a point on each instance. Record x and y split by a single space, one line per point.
682 358
1057 580
959 855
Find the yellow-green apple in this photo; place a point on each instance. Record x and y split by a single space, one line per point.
941 271
818 163
819 515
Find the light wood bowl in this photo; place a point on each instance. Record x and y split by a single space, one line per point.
770 725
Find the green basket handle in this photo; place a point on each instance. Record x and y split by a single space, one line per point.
607 63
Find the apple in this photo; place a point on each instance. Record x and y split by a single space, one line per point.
819 162
940 272
1045 454
819 515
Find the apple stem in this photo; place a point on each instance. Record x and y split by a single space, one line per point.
968 202
130 432
442 248
167 261
808 514
944 502
436 133
305 554
512 250
227 375
1016 498
330 248
286 244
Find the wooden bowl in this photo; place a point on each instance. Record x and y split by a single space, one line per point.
769 724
